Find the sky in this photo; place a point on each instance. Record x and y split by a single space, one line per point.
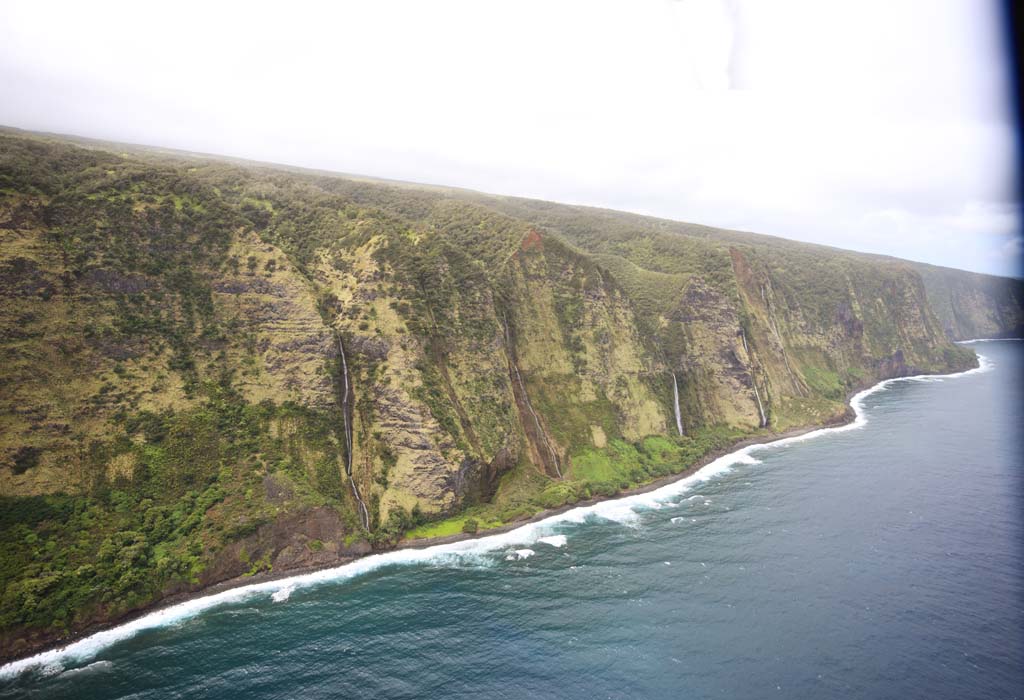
876 126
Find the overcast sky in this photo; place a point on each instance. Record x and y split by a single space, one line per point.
877 126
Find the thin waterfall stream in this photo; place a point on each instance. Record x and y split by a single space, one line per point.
675 399
773 326
526 400
760 407
346 410
753 380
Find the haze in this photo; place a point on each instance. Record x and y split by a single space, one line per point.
876 126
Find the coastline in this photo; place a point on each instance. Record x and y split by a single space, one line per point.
654 485
279 585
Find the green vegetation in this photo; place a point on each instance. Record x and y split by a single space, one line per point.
171 411
623 465
451 526
190 491
595 472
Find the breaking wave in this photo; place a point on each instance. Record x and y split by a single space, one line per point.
554 540
281 595
517 554
622 510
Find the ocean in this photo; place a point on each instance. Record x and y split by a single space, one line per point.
880 560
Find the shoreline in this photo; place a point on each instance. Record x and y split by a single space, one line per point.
654 485
88 642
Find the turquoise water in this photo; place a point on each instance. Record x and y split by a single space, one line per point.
883 561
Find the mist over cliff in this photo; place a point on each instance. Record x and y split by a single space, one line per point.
214 369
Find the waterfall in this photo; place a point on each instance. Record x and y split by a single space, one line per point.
536 420
774 328
344 407
675 398
346 390
760 408
753 379
364 513
526 400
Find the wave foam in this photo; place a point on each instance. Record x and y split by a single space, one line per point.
517 554
282 594
94 666
618 510
554 540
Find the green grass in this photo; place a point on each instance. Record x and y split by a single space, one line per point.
595 465
451 526
795 412
653 293
824 382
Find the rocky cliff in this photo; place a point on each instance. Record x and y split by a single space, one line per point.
211 370
971 305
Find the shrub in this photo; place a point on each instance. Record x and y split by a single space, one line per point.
25 458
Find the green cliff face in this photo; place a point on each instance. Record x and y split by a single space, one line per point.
212 370
971 305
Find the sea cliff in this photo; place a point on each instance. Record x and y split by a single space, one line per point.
214 369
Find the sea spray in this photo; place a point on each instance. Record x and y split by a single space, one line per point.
88 647
282 594
518 554
554 540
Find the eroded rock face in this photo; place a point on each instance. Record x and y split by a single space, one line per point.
971 305
712 360
577 344
274 311
421 468
402 458
846 318
298 540
478 482
186 332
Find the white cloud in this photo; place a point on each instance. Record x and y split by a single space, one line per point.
872 125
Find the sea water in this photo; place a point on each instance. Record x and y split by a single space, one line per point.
883 560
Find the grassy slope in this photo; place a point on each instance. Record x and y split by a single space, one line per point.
170 409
